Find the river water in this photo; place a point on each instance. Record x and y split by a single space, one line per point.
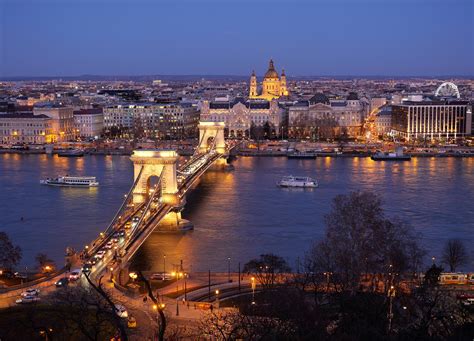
239 214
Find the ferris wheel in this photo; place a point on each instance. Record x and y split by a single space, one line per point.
447 89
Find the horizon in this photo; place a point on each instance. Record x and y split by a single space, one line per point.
350 38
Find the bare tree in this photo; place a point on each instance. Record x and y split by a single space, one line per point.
455 254
10 255
159 307
232 325
43 260
267 268
360 238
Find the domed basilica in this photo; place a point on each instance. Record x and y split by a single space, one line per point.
272 86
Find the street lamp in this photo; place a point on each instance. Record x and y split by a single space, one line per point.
391 295
164 267
253 289
228 269
217 299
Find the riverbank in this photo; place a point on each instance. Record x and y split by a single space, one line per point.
252 153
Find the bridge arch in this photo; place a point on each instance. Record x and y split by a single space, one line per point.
214 130
155 163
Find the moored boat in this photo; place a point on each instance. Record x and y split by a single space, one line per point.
301 155
71 153
396 156
298 181
71 181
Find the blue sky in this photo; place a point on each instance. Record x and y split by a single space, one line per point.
319 37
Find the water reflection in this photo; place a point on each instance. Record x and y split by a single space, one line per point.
238 214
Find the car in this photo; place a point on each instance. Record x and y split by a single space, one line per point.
121 311
136 219
115 240
30 292
121 233
131 322
20 276
75 275
87 268
93 260
27 299
159 276
109 245
63 282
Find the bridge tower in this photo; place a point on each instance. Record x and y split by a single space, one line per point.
210 133
159 163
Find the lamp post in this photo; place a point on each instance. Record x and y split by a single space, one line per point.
228 269
164 267
217 299
391 295
253 289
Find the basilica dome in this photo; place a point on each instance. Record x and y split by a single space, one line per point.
271 72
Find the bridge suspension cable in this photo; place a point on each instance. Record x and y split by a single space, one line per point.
155 194
124 203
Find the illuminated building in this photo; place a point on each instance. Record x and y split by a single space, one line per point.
158 120
62 120
89 122
239 115
20 128
320 117
431 119
272 86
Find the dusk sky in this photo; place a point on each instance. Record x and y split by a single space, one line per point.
232 37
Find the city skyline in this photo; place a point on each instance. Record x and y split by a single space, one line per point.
341 38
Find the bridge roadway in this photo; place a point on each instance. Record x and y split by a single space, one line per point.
153 211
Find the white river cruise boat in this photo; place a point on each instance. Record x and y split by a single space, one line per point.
71 181
298 181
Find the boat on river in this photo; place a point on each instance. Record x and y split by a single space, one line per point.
71 153
298 181
71 181
396 156
301 155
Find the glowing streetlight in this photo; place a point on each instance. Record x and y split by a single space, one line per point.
253 289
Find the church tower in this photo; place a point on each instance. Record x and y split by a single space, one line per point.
283 88
253 86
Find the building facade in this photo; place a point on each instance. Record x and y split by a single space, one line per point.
89 122
272 86
431 120
320 117
62 121
154 120
239 115
25 128
383 120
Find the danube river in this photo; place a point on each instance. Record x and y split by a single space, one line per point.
238 214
